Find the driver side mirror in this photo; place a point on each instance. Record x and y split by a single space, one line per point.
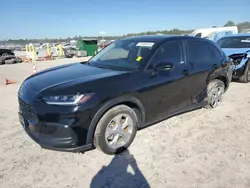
163 66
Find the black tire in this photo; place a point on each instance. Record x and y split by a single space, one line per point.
215 86
245 78
99 136
18 60
2 61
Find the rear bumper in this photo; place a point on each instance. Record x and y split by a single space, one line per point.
230 73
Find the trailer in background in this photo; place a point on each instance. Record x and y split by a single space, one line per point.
215 33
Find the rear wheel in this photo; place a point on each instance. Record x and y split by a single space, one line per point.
10 61
245 78
116 130
215 90
1 61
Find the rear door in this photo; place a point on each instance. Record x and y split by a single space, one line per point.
199 56
167 90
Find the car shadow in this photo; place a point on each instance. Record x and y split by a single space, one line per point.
122 172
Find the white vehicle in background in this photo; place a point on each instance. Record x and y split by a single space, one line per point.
246 31
215 33
66 45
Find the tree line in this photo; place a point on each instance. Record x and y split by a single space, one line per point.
241 27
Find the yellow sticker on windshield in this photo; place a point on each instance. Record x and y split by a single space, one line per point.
139 58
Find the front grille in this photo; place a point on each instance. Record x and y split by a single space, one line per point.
27 111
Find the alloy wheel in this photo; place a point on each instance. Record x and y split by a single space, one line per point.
216 97
119 131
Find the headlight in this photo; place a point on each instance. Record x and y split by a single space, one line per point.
67 99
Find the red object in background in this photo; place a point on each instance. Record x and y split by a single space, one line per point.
7 81
103 45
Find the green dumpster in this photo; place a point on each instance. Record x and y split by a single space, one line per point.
88 45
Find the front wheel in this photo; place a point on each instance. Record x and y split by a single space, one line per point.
215 90
116 130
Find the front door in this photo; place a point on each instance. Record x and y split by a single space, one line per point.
167 89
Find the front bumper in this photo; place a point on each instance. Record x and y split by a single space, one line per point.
66 131
239 68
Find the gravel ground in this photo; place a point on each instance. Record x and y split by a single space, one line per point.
203 148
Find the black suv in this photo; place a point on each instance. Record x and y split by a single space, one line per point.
130 84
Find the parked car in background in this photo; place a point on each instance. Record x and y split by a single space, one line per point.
132 83
6 52
246 31
237 47
7 56
66 45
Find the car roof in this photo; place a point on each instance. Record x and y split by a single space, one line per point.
159 38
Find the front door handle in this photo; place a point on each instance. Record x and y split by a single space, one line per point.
185 72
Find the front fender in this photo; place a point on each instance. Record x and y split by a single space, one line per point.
242 63
109 104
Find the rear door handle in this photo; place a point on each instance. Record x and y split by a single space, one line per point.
185 72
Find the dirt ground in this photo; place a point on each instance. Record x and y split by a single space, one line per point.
203 148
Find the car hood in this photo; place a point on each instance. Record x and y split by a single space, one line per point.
70 74
230 51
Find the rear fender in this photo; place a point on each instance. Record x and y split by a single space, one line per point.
224 74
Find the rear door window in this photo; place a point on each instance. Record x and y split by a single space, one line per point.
198 52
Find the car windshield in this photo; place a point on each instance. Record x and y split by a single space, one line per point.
234 42
123 55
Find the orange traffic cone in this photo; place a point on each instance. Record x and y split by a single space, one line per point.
7 81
